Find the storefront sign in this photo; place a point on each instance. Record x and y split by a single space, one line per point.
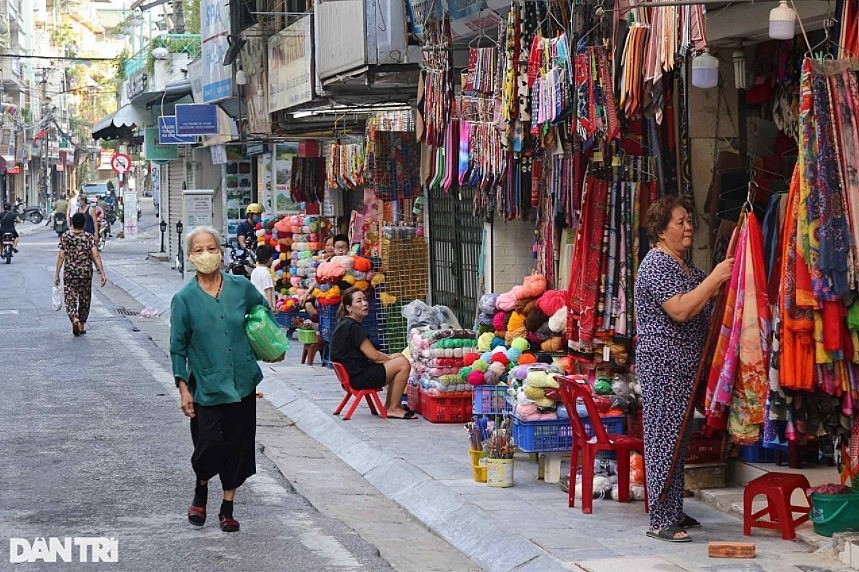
167 132
340 28
198 208
104 159
290 60
154 151
136 84
283 155
196 119
215 27
129 207
255 65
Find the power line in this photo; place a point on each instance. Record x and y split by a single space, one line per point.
74 59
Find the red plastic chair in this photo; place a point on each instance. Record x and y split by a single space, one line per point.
371 395
571 390
778 488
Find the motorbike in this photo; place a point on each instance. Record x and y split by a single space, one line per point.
8 242
109 214
33 214
241 262
103 232
59 224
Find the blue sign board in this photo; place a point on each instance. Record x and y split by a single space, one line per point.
196 119
167 132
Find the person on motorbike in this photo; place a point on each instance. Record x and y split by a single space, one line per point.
61 207
7 224
246 231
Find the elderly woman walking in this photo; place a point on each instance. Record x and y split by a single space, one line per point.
78 253
672 310
216 373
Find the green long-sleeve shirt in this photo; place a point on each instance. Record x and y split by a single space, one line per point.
208 340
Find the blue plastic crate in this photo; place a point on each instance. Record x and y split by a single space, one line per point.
758 454
491 400
542 436
327 322
556 435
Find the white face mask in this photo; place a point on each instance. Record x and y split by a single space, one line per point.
206 262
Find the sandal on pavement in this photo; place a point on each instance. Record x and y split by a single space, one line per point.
197 515
669 534
229 524
689 522
406 415
76 328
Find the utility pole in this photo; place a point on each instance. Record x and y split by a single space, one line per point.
43 184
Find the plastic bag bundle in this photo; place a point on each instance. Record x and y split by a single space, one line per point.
56 298
267 340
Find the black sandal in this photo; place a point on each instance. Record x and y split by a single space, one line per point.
668 533
228 524
197 515
689 522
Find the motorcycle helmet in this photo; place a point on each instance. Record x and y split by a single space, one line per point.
254 208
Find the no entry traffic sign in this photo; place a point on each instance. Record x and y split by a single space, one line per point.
120 163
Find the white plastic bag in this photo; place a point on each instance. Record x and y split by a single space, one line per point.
56 298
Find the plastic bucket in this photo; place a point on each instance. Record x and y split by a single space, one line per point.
834 513
478 465
499 473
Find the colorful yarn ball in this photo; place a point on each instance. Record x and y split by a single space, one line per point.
463 373
513 354
525 359
520 344
497 343
500 358
476 378
480 365
469 359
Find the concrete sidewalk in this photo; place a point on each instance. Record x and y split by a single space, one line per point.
425 468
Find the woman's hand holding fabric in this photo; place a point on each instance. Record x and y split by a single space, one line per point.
722 271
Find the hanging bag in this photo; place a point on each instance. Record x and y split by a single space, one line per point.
56 298
267 340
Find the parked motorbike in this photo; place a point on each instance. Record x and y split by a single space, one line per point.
241 262
33 214
8 242
59 223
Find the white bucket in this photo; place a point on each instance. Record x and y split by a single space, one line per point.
499 472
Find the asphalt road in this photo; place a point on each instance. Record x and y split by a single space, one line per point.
92 445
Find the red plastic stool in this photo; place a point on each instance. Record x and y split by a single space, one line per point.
371 395
778 488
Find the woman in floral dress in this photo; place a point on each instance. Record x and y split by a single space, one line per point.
77 254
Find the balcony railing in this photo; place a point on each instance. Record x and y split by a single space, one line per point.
175 43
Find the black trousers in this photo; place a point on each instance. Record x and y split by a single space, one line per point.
224 438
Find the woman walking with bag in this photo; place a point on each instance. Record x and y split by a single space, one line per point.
216 372
78 253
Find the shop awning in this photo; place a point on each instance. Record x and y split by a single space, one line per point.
120 124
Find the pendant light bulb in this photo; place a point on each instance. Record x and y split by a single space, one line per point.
782 22
705 71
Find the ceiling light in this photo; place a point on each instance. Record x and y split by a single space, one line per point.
782 22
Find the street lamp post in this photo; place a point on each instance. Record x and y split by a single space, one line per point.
163 227
181 264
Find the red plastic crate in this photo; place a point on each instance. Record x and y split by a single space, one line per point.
413 392
704 449
453 407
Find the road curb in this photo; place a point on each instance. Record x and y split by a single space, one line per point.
463 524
141 294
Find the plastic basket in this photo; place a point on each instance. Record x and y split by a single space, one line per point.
454 407
413 393
491 400
704 449
541 436
327 322
307 336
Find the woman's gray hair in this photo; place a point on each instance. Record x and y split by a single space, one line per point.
197 231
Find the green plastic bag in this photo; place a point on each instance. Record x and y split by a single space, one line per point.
267 340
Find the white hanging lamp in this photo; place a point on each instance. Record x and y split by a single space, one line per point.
705 71
782 22
739 57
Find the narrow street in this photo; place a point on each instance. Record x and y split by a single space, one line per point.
94 444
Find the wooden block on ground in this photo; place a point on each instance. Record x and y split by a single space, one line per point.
705 476
731 549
